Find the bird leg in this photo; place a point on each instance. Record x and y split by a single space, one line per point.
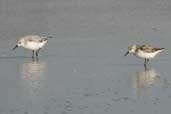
32 54
37 52
145 62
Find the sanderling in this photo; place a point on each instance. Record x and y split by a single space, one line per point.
144 51
33 43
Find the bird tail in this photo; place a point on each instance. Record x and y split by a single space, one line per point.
161 49
157 49
46 38
49 36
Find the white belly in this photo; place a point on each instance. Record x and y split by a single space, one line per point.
142 54
34 45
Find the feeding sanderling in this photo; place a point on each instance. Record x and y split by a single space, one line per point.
33 43
144 51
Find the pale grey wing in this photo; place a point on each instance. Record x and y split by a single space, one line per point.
36 39
147 48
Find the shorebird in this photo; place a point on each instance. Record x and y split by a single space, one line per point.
33 43
144 52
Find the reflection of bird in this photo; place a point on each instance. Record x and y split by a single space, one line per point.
32 70
32 77
145 79
32 42
144 51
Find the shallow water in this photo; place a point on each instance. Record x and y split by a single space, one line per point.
82 69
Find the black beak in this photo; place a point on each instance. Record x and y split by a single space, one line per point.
15 47
126 53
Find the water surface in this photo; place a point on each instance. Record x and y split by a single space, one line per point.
82 70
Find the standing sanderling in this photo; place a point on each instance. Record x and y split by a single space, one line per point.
33 43
144 51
